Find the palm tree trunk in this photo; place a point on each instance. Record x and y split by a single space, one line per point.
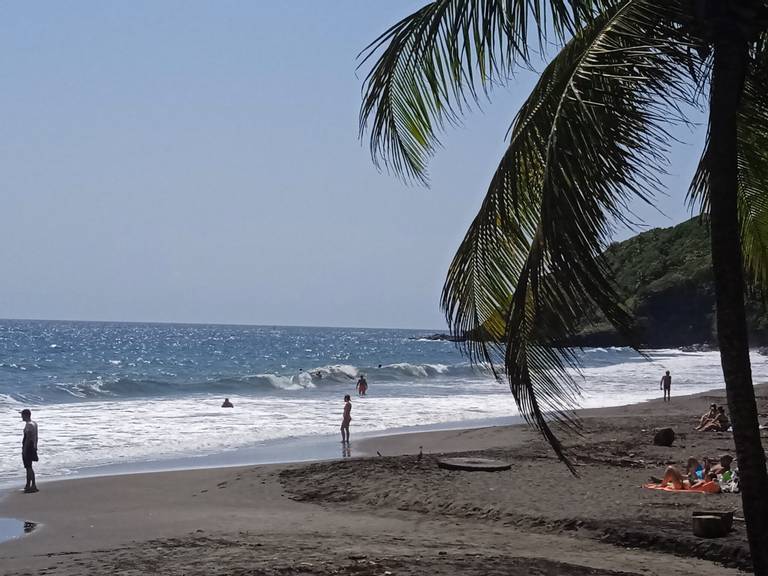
730 62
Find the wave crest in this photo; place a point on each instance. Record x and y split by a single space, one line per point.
115 387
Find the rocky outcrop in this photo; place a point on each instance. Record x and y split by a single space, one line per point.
665 278
438 336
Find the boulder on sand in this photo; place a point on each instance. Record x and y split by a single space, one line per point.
664 437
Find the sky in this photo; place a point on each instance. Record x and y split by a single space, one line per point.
190 161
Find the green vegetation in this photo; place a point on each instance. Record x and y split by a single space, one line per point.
662 258
665 276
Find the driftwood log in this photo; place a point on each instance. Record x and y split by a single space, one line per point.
473 464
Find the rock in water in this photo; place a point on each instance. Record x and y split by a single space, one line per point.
664 437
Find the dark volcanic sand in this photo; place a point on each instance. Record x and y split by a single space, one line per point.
400 514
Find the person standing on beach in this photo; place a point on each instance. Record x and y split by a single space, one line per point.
346 419
666 385
29 450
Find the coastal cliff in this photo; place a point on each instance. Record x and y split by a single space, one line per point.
665 278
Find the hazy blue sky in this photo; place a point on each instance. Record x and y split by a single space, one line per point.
192 161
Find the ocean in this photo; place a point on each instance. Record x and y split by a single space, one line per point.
107 394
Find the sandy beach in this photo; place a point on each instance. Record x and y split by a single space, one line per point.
398 513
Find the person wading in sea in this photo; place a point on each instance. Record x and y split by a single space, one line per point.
362 385
29 450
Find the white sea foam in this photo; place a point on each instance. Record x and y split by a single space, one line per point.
335 372
80 434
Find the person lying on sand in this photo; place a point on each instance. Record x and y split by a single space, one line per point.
696 474
697 478
708 417
720 423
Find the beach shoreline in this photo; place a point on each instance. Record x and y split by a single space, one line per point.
397 509
306 449
112 420
279 451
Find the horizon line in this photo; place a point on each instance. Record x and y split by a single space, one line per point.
233 324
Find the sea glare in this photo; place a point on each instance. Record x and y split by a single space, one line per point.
118 393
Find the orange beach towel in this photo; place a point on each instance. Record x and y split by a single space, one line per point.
708 487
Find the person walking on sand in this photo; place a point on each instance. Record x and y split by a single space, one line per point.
666 385
29 450
346 419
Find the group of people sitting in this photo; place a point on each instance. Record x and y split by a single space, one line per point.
715 420
704 476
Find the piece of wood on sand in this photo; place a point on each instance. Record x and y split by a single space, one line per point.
473 464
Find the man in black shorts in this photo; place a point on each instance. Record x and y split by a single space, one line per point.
666 385
29 449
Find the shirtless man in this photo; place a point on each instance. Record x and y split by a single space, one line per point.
29 450
666 385
346 419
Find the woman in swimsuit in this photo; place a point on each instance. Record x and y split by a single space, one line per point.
719 424
708 417
695 475
346 419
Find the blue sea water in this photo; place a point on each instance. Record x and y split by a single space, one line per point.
118 393
46 362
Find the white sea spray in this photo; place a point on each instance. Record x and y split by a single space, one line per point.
162 399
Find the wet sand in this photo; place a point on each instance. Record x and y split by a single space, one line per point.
398 513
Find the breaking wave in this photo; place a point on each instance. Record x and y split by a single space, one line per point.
116 387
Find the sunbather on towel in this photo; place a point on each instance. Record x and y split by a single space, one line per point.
696 475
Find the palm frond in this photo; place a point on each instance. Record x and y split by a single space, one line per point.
752 158
589 138
435 63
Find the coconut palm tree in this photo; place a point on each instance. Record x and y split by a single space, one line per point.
593 135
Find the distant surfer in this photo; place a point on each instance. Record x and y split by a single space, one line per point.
346 419
29 449
227 404
666 385
362 385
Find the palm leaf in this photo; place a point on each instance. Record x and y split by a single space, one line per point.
752 141
435 63
753 175
590 137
